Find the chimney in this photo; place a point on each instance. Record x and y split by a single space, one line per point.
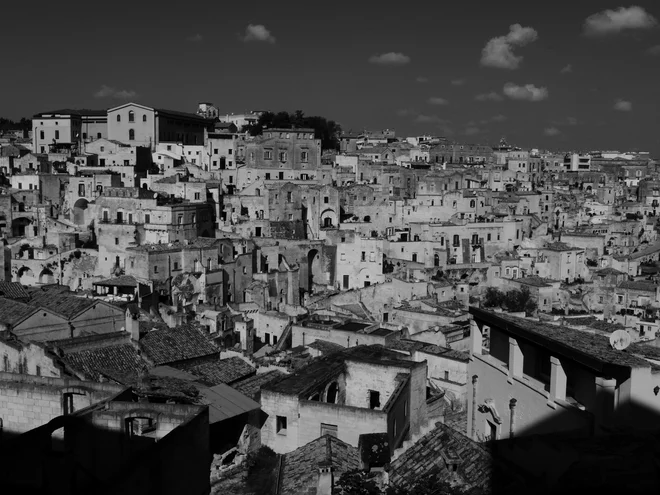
132 325
325 480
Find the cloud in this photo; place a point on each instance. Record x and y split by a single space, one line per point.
492 96
498 52
429 119
571 121
390 58
458 82
566 69
654 50
498 118
405 112
435 100
528 92
422 79
471 131
551 131
258 32
623 106
195 38
615 21
117 94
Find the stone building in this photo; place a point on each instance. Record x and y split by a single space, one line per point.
366 389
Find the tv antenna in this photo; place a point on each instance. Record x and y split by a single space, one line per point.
620 339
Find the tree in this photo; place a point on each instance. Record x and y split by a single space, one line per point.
356 482
493 298
518 300
328 131
261 476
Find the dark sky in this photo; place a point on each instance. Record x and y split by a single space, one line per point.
174 54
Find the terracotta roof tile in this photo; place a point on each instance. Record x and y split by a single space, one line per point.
251 386
169 345
92 362
227 371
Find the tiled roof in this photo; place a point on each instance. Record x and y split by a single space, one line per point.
169 345
226 371
325 347
299 470
637 285
63 304
534 281
582 346
122 358
12 311
425 458
13 290
251 386
561 246
123 281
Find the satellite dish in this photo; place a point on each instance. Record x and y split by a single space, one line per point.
620 339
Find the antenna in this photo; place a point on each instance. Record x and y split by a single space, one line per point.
620 339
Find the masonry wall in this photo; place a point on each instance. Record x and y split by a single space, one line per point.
101 318
27 402
275 404
361 378
351 422
28 358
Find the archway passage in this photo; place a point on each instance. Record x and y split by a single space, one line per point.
79 209
25 275
19 226
46 277
314 273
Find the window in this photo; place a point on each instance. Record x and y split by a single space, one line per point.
280 425
118 118
180 219
197 196
57 134
364 256
147 218
326 199
374 399
327 429
342 257
41 135
116 241
304 156
283 156
38 370
155 269
144 118
131 116
131 135
268 155
289 197
456 240
488 237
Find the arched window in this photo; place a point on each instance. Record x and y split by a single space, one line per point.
414 257
131 135
258 192
118 118
131 116
144 118
473 203
456 240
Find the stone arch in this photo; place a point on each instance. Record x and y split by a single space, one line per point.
26 272
46 276
78 211
328 218
314 270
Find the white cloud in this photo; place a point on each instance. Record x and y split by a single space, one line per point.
566 69
528 92
498 118
458 82
471 131
430 119
616 21
654 50
390 58
498 52
195 38
422 79
492 96
117 94
436 100
623 106
571 121
258 32
551 131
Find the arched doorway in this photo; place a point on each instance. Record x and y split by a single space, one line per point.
46 277
25 275
332 393
314 273
78 212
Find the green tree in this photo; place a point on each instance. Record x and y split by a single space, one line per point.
493 298
261 475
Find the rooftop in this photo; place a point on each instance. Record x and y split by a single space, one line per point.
591 350
13 290
561 246
12 311
319 369
251 386
63 304
227 371
91 363
299 469
169 345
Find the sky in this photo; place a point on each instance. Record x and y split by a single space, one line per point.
579 75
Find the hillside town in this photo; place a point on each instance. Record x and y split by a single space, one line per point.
207 302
